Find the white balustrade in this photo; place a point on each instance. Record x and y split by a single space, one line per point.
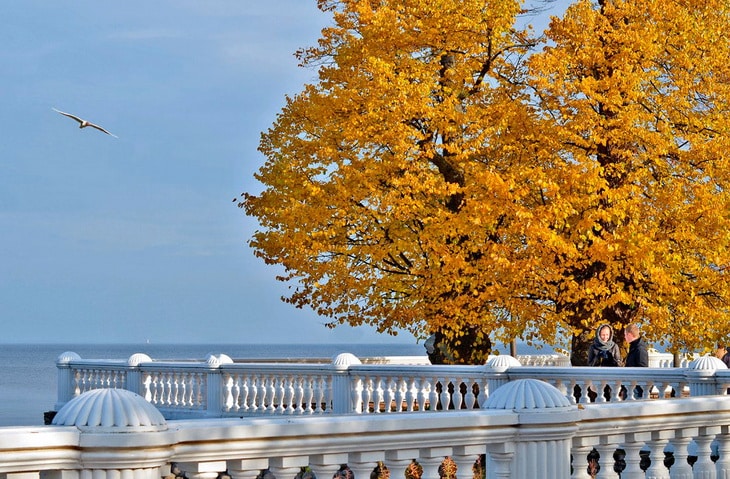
520 439
220 387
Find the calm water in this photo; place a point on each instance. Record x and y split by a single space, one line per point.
28 371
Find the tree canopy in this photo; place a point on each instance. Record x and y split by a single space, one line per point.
449 172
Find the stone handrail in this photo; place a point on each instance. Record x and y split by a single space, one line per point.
220 387
526 429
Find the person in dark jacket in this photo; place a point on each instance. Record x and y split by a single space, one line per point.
603 351
638 356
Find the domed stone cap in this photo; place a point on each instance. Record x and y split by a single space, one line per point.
215 360
707 363
526 394
67 357
137 358
345 359
502 362
110 410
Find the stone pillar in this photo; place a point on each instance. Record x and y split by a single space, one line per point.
547 423
215 383
66 388
497 369
341 383
500 461
134 375
701 376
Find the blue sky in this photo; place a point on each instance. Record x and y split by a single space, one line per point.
137 238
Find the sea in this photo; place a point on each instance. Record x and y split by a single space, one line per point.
28 377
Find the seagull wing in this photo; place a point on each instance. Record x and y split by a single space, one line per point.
101 129
69 115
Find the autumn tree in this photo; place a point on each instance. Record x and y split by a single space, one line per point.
633 101
447 174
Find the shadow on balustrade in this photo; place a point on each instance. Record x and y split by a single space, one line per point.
447 470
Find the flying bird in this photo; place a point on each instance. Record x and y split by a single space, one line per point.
83 123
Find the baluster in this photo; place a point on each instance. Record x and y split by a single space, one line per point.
704 468
169 382
245 391
227 392
464 457
458 400
246 468
362 463
652 389
469 398
681 468
433 395
271 393
184 389
286 467
723 449
445 396
264 397
312 397
657 469
580 450
410 387
154 377
284 394
606 461
430 460
326 465
421 395
236 391
287 390
358 403
377 393
178 388
571 391
279 392
76 383
201 392
367 394
296 406
147 391
632 446
309 394
401 396
398 460
390 389
254 393
318 395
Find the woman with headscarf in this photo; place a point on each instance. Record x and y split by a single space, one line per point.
603 351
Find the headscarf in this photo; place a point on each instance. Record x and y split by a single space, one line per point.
601 345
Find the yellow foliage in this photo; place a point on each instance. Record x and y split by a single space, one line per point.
448 171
